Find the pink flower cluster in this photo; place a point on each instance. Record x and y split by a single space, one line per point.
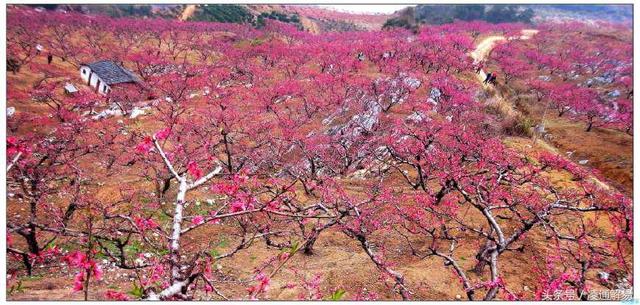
145 146
44 254
14 147
116 296
145 224
261 286
197 220
194 170
163 134
80 260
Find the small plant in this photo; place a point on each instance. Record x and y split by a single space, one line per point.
136 291
16 288
337 295
520 126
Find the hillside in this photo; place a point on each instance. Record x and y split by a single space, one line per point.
311 18
608 13
440 14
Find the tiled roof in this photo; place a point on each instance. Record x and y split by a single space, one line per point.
112 73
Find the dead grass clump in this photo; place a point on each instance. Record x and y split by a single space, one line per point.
519 125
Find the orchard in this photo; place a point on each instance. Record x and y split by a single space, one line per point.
245 161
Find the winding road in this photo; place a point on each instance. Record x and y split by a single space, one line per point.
188 11
481 52
486 45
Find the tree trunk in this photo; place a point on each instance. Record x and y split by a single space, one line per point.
491 294
30 237
482 258
27 264
308 247
175 235
479 267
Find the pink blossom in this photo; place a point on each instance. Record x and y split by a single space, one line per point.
97 271
238 206
145 146
197 220
163 134
12 141
116 295
225 188
274 204
193 170
75 259
145 224
78 281
263 284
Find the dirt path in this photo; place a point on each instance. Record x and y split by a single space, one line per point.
188 12
486 45
480 53
482 50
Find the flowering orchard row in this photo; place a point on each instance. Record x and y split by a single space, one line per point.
579 71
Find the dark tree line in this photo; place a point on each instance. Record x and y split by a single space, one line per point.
293 19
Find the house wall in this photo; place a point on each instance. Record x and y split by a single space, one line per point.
94 80
85 73
105 89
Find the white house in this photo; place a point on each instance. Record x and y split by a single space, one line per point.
103 75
